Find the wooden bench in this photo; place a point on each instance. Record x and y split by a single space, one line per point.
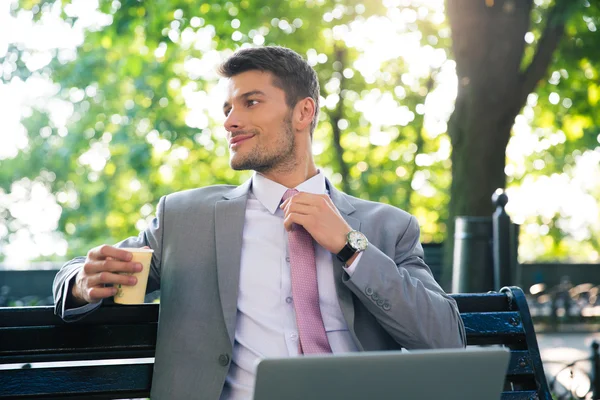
36 335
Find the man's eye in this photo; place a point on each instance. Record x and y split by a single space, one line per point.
251 102
227 111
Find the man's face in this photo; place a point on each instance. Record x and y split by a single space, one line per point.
259 126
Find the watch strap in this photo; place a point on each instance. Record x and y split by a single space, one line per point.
346 253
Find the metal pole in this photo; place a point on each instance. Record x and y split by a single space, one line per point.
515 267
501 241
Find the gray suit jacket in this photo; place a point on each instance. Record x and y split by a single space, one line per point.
391 301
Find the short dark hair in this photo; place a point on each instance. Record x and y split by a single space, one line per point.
290 71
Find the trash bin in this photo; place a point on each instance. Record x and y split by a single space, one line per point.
473 265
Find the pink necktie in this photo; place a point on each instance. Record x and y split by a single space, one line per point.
305 291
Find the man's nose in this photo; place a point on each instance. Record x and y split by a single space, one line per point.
233 121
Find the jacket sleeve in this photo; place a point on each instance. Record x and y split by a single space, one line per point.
404 297
152 237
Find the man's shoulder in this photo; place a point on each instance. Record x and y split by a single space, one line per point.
204 195
381 220
375 208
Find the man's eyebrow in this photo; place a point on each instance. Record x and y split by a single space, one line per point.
246 95
252 93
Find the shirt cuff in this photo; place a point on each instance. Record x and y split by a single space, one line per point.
350 268
78 311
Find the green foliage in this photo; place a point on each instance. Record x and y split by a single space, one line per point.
126 87
565 121
130 87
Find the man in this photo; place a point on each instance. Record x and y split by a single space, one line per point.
238 280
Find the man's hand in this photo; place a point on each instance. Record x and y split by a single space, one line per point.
101 267
319 216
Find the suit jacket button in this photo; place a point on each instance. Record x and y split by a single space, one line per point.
224 360
387 306
379 302
369 291
375 297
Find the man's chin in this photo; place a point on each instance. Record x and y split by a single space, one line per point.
239 165
246 165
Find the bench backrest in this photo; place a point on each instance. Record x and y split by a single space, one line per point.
36 335
503 319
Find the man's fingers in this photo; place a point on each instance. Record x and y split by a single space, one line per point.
288 222
105 251
98 293
295 218
300 209
105 265
93 267
307 199
111 278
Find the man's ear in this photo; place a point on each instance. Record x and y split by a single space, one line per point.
304 113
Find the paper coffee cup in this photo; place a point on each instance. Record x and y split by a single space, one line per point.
135 294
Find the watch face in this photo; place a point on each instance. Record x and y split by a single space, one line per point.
357 240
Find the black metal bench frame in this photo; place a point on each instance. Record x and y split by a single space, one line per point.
34 334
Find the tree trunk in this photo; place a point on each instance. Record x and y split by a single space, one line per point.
488 45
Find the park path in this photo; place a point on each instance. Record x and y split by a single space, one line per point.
560 349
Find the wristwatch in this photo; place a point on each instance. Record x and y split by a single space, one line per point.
355 242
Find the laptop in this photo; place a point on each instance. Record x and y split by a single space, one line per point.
449 374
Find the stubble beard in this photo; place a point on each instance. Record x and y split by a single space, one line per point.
279 158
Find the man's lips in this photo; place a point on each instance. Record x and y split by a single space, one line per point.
239 138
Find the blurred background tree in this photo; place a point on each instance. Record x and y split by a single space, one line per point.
502 50
109 105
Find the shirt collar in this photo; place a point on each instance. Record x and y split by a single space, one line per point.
269 193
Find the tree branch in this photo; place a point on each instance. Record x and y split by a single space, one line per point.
553 33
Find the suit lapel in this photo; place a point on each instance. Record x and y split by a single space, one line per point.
344 294
229 225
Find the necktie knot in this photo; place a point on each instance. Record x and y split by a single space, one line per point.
288 193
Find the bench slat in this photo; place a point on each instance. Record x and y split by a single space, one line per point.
481 302
59 343
104 381
110 314
481 328
500 325
26 358
523 395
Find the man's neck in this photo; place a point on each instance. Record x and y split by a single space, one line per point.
291 179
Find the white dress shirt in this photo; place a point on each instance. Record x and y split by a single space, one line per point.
266 321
